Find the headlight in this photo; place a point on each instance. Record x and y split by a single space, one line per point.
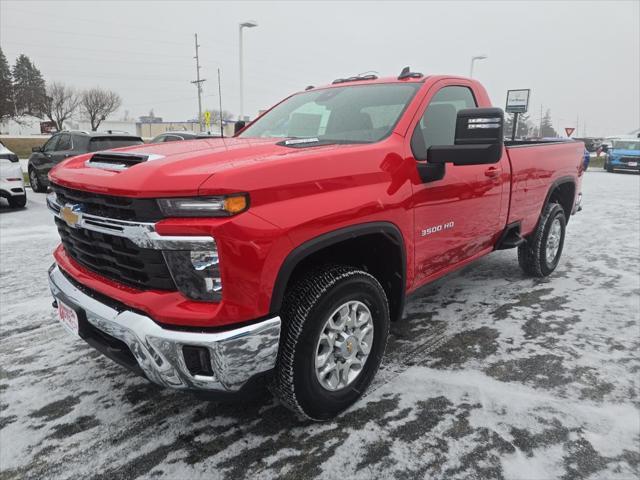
219 206
196 273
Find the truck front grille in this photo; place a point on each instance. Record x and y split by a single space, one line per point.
121 208
116 258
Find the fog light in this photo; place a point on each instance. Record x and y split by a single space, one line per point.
198 360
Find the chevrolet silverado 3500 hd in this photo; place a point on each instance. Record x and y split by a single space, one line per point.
281 255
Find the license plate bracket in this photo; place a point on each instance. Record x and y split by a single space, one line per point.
68 317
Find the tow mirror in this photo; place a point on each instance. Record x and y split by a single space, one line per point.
239 125
478 139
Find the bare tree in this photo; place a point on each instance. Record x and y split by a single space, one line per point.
61 103
215 116
98 104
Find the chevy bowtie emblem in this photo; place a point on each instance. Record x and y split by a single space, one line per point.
72 214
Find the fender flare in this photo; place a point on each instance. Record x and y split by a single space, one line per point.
331 238
553 187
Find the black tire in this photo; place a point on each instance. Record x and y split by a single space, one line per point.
532 255
34 181
19 201
306 308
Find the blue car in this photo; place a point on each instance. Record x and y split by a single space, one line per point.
624 154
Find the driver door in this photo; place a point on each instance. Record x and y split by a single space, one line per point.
458 216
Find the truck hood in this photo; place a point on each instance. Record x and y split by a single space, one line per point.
175 168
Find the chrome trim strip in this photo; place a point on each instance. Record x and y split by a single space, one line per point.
143 234
236 355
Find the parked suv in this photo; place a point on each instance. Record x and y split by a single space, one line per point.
68 144
11 181
624 154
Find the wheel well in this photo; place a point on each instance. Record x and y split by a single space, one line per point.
379 253
564 194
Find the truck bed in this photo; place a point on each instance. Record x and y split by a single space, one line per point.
535 166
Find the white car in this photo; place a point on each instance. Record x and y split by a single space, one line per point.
11 179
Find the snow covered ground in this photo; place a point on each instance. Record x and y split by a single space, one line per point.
490 375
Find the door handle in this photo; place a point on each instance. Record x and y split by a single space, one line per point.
493 172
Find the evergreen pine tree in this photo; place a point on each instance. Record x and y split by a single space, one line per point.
29 88
7 108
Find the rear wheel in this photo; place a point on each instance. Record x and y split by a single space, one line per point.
540 254
335 329
34 181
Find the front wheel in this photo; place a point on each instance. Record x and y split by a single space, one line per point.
335 329
34 181
540 254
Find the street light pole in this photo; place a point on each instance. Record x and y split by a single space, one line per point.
248 24
473 59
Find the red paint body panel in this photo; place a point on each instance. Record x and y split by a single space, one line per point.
300 194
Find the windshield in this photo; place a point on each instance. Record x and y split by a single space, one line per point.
626 144
108 143
349 114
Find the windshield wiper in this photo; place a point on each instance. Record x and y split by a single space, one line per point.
294 142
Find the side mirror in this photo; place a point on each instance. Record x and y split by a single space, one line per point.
478 139
36 149
239 125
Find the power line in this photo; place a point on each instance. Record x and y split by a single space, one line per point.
97 35
91 21
63 47
155 79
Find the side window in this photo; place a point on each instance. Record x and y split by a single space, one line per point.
50 146
64 143
438 123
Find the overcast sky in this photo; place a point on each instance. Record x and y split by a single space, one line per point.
580 59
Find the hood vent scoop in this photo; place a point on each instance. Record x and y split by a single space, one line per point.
119 160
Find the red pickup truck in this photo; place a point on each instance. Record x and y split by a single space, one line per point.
281 255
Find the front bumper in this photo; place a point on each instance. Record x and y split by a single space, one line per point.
626 166
236 355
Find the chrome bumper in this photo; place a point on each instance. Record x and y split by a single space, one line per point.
236 355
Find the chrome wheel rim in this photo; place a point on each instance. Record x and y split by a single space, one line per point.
34 179
344 345
553 240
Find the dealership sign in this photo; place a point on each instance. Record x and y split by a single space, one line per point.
517 101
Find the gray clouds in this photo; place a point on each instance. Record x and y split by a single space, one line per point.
579 58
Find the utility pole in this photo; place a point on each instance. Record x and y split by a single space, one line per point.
198 82
220 103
